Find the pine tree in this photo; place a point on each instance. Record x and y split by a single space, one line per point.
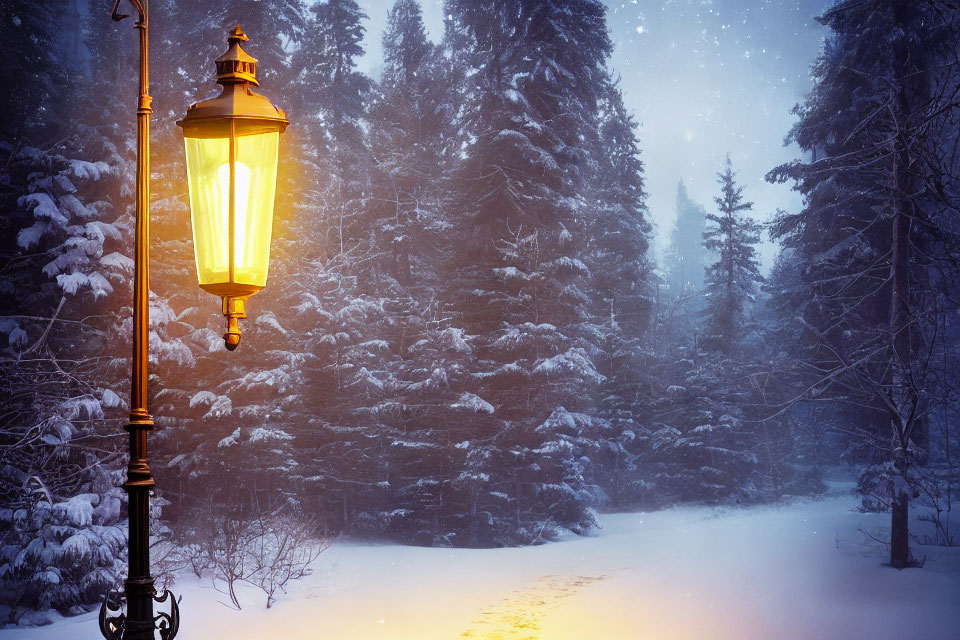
731 281
686 256
620 290
409 139
62 249
421 367
870 238
333 97
701 448
519 276
700 445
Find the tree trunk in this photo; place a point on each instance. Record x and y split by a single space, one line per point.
902 394
904 397
899 531
472 542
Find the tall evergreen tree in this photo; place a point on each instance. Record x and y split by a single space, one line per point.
415 408
410 136
520 278
686 256
332 94
731 280
62 261
620 291
871 242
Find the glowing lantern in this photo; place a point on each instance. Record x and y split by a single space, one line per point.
231 146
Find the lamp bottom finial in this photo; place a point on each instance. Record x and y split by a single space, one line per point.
233 309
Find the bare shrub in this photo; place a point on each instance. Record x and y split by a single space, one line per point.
265 549
936 492
282 550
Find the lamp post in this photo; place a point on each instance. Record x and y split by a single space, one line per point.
232 144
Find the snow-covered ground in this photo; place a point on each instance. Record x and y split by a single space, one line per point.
774 573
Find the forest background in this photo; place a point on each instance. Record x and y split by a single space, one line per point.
466 339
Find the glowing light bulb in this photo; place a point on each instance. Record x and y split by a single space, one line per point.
241 259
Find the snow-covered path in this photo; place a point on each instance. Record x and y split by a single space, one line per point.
771 573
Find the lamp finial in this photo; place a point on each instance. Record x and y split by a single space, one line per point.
236 65
233 309
236 35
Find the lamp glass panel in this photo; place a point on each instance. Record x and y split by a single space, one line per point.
208 180
256 184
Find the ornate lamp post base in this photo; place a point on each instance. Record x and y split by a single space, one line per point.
118 627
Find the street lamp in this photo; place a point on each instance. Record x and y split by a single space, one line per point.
231 144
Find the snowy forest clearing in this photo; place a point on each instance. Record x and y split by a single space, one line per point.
474 334
688 572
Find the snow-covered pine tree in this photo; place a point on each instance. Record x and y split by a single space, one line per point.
872 237
65 233
332 96
518 278
327 346
321 326
410 136
354 406
422 404
620 292
731 281
702 444
686 256
702 448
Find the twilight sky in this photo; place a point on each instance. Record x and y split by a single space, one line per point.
702 77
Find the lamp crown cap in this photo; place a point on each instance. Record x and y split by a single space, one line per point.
237 35
236 65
